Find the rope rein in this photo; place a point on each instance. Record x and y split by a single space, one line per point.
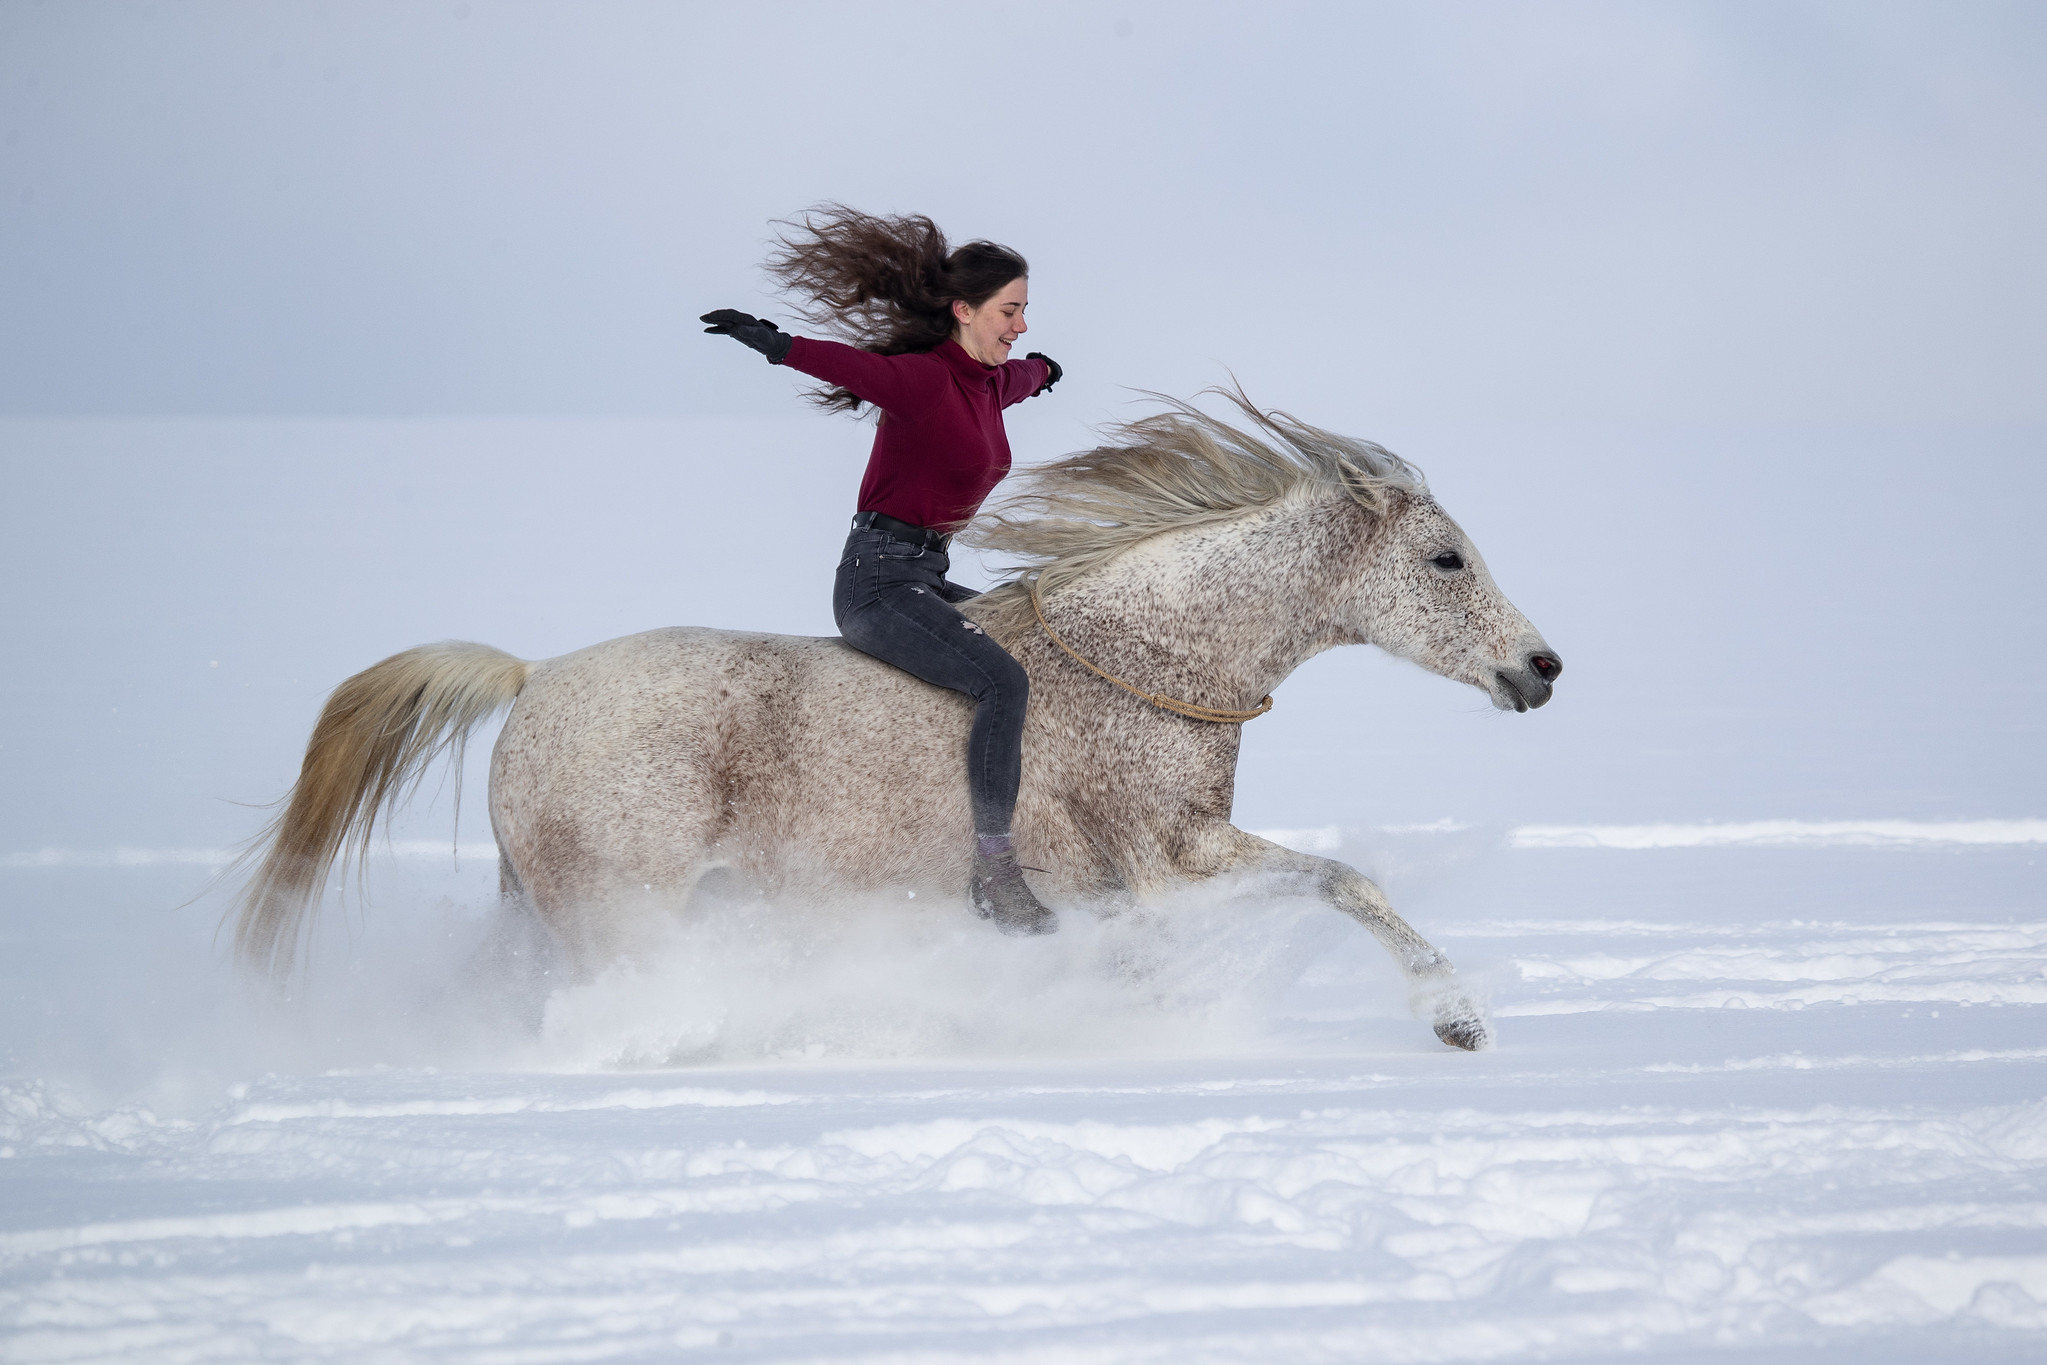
1182 708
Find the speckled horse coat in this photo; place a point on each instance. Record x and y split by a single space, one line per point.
1198 559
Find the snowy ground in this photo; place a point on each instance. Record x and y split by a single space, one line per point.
1780 1096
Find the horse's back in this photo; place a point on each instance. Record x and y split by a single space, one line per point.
636 763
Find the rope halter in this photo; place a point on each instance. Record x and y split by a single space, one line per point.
1164 703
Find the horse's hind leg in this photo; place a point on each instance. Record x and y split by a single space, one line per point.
1432 984
518 962
603 851
609 904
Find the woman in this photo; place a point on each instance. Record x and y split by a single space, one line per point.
933 329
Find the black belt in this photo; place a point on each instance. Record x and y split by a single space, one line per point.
901 530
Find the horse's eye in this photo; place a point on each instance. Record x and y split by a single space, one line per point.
1449 561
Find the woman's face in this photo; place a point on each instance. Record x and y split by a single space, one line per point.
987 332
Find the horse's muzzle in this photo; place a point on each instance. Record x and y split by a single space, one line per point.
1532 684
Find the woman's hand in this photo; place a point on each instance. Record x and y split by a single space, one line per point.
1050 364
748 330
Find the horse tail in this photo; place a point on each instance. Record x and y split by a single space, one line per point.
373 742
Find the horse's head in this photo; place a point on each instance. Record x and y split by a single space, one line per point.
1425 595
1382 563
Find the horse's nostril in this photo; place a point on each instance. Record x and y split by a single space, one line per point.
1545 667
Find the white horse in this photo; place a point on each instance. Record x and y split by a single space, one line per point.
1192 559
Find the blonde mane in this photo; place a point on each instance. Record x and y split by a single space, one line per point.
1171 469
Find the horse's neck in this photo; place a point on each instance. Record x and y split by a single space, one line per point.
1228 610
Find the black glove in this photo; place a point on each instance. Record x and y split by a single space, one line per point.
770 340
1051 365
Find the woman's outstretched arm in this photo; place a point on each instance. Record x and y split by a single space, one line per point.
901 384
894 383
1027 378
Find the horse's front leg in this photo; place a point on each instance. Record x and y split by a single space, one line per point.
1434 990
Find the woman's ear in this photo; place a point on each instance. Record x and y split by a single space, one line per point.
962 312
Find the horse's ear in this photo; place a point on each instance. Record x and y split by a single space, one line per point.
1376 496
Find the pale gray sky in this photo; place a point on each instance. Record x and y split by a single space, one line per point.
1579 212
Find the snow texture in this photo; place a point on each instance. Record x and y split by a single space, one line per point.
1185 1137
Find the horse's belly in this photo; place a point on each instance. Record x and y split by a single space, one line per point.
632 767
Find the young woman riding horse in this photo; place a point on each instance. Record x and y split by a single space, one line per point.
933 328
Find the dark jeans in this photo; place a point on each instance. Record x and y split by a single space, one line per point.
892 601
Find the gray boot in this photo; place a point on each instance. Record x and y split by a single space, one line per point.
1000 893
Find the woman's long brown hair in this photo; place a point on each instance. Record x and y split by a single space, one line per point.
884 284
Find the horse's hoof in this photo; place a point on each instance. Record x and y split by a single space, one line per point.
1456 1012
1467 1031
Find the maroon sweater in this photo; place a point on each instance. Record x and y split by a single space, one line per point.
940 448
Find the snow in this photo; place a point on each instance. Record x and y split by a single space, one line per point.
1812 1127
1782 834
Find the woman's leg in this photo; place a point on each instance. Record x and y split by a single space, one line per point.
892 606
891 603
